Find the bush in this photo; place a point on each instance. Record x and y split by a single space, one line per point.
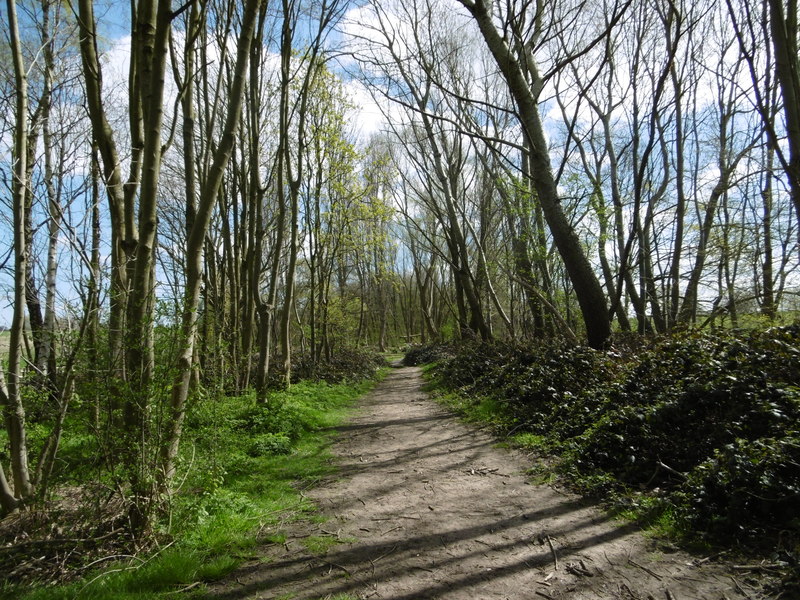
554 390
270 444
423 354
346 364
755 484
690 396
707 422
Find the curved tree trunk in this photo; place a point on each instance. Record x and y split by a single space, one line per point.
587 287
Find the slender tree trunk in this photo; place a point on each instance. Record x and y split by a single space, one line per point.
54 208
151 45
768 305
11 394
93 294
112 177
32 299
197 235
8 502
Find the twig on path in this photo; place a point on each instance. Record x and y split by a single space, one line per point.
670 595
579 570
349 574
766 567
544 595
645 569
553 550
392 529
384 555
185 589
741 589
337 535
485 471
699 561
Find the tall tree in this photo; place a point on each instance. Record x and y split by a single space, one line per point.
518 66
11 392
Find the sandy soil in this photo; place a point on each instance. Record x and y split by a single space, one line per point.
425 507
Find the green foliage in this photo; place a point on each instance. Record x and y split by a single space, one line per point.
270 443
427 353
346 364
753 483
242 464
696 433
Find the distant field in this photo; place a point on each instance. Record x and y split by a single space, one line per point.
5 337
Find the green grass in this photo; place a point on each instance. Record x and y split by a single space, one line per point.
231 500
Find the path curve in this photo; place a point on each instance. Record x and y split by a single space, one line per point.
427 507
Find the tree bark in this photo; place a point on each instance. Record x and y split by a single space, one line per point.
112 177
197 235
11 395
783 26
588 290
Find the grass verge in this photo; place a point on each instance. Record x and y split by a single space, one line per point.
246 467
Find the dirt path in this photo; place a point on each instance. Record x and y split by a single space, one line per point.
426 507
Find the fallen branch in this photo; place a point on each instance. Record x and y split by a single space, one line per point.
671 470
645 569
123 569
578 570
385 554
191 586
553 550
767 567
349 574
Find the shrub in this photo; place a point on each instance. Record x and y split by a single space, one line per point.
422 354
346 364
746 489
269 444
704 424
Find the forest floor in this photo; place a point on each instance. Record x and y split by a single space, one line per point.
423 506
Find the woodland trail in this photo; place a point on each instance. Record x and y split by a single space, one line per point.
423 506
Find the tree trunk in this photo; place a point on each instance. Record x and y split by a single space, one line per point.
11 395
112 177
783 27
588 290
197 235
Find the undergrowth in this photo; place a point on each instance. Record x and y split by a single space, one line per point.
244 468
695 434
